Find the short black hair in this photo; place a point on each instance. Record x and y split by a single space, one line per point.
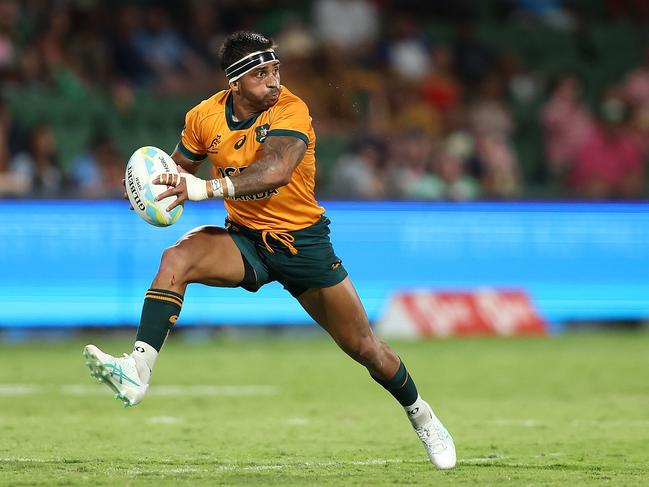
240 44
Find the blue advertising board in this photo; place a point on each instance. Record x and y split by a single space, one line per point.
71 263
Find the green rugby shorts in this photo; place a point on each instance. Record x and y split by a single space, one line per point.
299 260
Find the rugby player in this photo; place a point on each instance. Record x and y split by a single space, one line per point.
259 138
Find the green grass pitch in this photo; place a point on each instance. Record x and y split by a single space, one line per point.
570 410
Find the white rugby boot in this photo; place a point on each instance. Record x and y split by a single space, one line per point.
437 441
118 373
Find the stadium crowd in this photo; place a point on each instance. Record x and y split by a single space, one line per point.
421 115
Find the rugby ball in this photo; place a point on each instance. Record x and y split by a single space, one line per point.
144 165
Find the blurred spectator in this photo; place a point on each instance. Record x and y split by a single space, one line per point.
8 18
122 97
566 123
635 90
410 114
610 161
11 182
635 86
360 174
175 64
297 47
350 26
522 85
98 172
64 70
407 50
37 165
492 126
410 154
440 88
445 180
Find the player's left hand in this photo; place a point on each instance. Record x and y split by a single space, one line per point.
178 188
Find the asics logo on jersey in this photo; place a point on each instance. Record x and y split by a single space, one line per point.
215 142
239 143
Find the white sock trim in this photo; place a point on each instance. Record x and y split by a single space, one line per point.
419 412
145 356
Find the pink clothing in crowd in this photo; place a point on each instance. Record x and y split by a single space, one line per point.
608 164
566 124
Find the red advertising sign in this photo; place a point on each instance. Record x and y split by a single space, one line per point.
457 313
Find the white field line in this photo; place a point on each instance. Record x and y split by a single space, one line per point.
19 389
534 423
485 459
213 391
164 420
26 460
623 422
282 466
297 421
12 390
525 423
277 466
261 468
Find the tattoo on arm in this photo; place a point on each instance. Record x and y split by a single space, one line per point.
273 169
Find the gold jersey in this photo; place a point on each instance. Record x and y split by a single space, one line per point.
211 131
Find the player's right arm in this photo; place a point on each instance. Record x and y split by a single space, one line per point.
189 154
184 163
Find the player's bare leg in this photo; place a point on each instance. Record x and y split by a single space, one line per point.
207 255
340 312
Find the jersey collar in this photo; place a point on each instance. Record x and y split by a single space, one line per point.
229 112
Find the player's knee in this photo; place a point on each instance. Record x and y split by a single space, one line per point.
174 264
365 351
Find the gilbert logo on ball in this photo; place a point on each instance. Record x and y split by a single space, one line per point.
144 166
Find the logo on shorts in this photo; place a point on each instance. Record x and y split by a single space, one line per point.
239 143
335 265
173 319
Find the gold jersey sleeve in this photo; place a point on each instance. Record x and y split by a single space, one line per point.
232 145
191 137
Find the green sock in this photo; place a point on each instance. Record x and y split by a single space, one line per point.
401 386
159 313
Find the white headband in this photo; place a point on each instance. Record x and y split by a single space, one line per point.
248 63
